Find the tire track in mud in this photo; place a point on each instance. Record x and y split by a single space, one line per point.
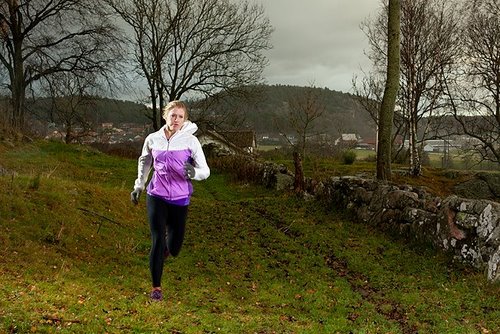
360 283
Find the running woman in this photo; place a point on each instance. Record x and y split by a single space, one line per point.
176 157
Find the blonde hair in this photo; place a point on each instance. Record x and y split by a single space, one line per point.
175 104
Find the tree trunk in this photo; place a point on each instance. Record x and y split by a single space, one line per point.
155 118
18 83
161 99
299 173
17 102
415 165
69 133
386 113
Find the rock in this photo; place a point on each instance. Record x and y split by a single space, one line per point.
493 181
284 182
483 186
401 199
475 189
494 267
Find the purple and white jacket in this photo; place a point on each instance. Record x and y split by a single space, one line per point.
168 157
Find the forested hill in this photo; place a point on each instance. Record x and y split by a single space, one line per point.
96 109
120 111
265 103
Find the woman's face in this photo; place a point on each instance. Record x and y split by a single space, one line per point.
175 119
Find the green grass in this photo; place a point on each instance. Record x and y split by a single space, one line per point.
74 259
460 161
319 167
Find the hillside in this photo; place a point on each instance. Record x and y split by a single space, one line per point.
260 105
96 110
74 253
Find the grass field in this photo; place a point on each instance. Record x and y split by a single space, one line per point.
456 160
74 259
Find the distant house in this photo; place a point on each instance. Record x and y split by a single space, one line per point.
244 139
435 145
227 142
347 139
370 141
367 144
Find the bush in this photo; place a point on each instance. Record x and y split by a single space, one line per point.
242 168
348 157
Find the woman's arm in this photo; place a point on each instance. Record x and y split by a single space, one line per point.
202 171
144 164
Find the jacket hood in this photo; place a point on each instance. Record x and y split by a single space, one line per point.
188 127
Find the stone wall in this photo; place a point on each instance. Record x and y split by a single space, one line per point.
469 229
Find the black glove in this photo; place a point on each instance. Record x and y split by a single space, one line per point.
189 169
134 196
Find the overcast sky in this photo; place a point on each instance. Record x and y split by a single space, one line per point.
317 42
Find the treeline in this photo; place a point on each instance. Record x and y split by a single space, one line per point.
94 110
259 107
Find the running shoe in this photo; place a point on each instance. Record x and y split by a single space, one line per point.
156 295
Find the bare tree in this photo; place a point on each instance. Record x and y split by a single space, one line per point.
44 37
369 92
229 109
201 47
72 101
475 94
429 47
152 22
302 116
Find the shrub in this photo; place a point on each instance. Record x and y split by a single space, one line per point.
348 157
242 168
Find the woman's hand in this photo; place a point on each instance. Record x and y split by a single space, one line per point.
189 169
134 196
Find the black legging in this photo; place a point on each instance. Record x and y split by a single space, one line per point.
169 218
